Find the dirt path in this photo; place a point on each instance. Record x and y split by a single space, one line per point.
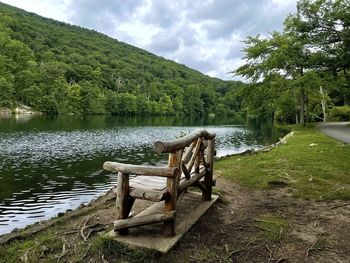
337 130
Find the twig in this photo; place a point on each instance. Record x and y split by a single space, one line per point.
340 205
25 257
44 249
311 247
270 258
233 252
251 242
76 236
103 259
64 251
83 228
71 232
87 251
281 259
95 230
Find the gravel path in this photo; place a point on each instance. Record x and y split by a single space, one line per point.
337 130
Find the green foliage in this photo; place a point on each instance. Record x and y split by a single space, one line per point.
62 69
312 51
340 113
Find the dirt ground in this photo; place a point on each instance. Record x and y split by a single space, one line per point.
245 226
315 231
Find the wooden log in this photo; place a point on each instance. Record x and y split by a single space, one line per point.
188 153
201 186
130 203
179 199
204 145
150 195
208 179
185 171
195 177
144 220
194 155
122 198
173 146
197 163
204 162
171 185
140 170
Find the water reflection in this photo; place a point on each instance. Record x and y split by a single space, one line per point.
50 164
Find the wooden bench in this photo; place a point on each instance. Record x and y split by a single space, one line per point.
190 160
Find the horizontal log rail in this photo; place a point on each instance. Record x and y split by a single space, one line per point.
144 220
150 195
139 169
173 146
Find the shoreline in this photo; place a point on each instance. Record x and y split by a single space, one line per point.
43 224
267 148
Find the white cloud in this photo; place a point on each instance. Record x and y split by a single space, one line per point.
48 8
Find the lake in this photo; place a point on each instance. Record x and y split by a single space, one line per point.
51 164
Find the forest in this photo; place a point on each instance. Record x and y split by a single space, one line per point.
57 68
298 75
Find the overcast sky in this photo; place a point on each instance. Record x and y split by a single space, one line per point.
203 34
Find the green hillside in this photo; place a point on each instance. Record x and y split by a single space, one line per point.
58 68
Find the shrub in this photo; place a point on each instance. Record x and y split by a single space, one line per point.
340 113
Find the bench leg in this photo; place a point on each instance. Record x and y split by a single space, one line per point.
171 185
208 178
123 201
170 205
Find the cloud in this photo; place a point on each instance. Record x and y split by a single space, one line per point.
100 15
203 34
48 8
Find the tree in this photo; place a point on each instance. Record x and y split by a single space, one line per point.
314 45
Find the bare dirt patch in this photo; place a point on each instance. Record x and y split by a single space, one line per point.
269 226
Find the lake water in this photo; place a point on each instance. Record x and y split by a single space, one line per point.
51 164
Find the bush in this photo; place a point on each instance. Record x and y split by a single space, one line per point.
341 113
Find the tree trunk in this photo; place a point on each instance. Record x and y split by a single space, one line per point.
296 118
302 107
323 103
296 107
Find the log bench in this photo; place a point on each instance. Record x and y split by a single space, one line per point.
190 164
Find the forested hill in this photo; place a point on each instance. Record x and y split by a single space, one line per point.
61 69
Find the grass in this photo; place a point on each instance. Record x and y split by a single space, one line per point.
272 227
310 165
47 246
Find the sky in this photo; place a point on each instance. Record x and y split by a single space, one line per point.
205 35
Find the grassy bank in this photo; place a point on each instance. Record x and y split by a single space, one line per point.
310 165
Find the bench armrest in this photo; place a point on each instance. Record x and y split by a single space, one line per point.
140 170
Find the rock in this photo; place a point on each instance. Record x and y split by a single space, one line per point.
277 183
5 111
15 230
23 109
60 214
